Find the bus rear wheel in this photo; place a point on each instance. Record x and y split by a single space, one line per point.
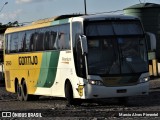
19 92
24 91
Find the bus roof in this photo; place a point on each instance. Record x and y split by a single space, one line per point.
42 23
109 17
65 19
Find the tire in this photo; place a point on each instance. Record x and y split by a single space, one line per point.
25 94
19 92
24 91
69 93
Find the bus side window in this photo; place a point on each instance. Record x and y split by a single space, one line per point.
76 29
22 42
61 41
28 37
31 42
6 43
9 43
46 40
56 43
63 37
14 43
39 42
35 39
52 39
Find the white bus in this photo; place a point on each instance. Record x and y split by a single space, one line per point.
80 57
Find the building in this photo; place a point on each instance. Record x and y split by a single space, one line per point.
149 13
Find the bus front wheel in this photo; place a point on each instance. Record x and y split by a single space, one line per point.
69 93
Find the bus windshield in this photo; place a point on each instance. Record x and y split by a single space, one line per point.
116 48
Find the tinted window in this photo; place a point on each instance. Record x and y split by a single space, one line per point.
50 38
28 38
14 43
39 39
21 41
110 28
76 30
63 37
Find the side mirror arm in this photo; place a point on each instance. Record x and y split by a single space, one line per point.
84 47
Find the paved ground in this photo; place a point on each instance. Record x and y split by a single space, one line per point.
154 83
55 108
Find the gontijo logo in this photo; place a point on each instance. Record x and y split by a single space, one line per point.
28 60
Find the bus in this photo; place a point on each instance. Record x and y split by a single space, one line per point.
77 57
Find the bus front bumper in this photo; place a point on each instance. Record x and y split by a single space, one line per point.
94 91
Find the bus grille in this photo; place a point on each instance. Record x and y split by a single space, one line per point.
120 81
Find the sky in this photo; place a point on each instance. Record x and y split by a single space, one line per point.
25 11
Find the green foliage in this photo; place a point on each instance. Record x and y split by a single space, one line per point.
3 27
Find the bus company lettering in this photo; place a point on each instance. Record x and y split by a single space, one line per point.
66 59
28 60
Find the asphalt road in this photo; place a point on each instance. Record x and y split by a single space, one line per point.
139 107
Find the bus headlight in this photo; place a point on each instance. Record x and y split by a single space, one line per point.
145 79
95 82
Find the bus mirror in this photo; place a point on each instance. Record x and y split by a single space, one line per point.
83 41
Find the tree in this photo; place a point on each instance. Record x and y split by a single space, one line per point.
12 24
9 24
